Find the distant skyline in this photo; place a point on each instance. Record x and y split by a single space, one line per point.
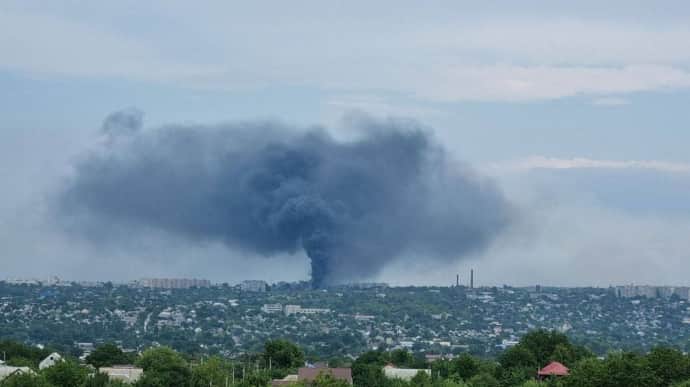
633 288
578 111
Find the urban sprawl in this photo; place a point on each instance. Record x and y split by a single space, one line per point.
195 316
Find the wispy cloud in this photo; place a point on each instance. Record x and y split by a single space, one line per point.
378 105
610 101
521 83
542 162
505 58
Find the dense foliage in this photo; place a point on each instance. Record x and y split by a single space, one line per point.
108 355
516 366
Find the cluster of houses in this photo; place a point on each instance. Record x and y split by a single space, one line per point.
7 370
310 373
125 373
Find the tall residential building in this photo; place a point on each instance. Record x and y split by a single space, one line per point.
253 286
173 283
630 291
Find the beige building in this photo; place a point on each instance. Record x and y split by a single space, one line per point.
405 374
126 373
296 309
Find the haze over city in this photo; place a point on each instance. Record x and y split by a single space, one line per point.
535 142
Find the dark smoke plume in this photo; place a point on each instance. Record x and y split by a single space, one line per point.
352 206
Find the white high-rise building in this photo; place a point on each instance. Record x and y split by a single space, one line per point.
253 286
173 283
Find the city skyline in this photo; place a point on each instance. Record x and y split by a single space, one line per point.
629 289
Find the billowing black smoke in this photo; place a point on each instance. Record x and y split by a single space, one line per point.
353 206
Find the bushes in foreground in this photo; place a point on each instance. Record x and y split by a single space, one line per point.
517 366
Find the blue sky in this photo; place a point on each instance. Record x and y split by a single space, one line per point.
596 92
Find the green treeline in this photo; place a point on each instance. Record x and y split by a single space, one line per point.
516 366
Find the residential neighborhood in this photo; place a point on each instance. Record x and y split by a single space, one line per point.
339 322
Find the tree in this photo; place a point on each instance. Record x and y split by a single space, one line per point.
20 355
163 367
669 365
19 361
518 357
65 373
450 383
365 375
256 379
483 380
465 366
367 370
422 379
326 380
569 354
617 370
152 379
629 369
535 350
283 354
542 344
25 380
102 380
587 372
401 358
107 355
212 372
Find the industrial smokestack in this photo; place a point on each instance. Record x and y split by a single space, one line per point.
457 280
266 188
471 278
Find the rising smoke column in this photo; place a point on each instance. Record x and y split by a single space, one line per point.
352 206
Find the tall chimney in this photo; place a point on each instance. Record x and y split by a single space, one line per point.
471 278
457 280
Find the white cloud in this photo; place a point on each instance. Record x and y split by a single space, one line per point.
512 58
560 41
542 162
377 105
521 83
610 101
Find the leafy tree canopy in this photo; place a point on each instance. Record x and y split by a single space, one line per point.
107 355
283 354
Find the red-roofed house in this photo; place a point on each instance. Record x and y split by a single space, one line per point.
553 369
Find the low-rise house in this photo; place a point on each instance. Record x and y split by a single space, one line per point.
286 381
406 374
309 374
125 373
553 369
7 371
49 361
